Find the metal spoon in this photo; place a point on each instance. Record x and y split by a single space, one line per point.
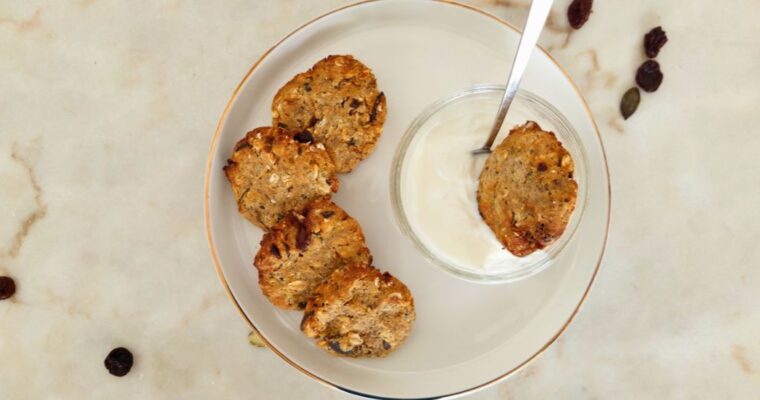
539 10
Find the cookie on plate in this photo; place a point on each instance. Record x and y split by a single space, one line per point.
338 103
359 312
526 192
271 174
304 248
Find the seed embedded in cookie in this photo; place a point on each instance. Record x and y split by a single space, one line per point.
359 312
338 103
304 248
526 192
272 173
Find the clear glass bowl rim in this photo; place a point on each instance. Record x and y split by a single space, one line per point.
552 250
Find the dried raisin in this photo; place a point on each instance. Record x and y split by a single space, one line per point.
7 287
377 104
578 12
335 346
303 237
648 76
303 137
654 40
119 361
275 251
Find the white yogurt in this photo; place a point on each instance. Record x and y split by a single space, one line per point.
439 185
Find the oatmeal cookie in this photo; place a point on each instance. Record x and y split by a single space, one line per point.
359 312
338 104
304 248
526 191
271 174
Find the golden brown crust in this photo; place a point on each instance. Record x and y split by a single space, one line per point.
338 103
272 174
304 248
359 312
526 191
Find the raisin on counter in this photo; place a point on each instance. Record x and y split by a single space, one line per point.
119 361
654 40
7 287
649 76
578 12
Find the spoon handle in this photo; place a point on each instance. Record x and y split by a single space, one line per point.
539 11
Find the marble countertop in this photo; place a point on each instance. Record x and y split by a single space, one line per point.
106 114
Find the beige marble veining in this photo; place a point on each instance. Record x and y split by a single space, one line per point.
106 113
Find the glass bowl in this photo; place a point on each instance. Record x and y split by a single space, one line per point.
478 103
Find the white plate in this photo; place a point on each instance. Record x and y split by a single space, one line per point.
466 335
